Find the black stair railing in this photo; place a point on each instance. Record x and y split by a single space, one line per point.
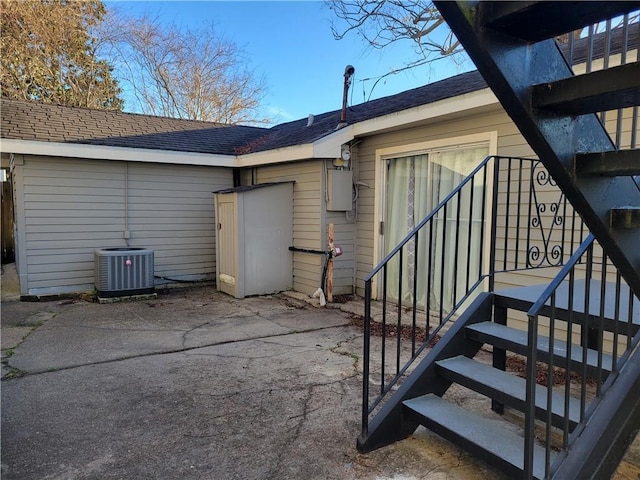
590 315
506 215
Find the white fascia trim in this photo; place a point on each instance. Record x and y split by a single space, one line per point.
103 152
326 147
329 146
448 106
278 155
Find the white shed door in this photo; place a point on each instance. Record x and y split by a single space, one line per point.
227 252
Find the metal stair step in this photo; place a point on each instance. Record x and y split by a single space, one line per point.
609 164
598 91
625 217
535 21
515 340
507 388
523 298
486 438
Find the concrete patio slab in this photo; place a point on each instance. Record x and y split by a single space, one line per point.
198 385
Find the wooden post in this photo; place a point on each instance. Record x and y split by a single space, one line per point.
330 266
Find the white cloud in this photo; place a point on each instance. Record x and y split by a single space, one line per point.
280 115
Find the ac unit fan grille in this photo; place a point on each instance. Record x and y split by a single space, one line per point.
124 271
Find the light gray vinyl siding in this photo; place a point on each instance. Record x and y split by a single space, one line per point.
70 207
307 217
171 211
343 266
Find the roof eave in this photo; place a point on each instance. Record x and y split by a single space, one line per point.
277 155
329 145
429 111
105 152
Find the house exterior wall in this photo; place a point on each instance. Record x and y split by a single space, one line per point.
308 218
509 143
311 224
344 235
66 208
484 122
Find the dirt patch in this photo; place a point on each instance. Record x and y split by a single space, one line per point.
406 332
518 366
343 298
515 364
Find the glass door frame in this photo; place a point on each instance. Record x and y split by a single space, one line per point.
489 139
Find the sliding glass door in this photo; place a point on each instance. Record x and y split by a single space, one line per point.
415 186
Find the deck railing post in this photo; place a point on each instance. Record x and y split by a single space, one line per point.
366 359
494 218
530 409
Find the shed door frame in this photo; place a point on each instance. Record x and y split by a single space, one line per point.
227 274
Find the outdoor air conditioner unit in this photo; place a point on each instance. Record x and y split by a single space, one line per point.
124 271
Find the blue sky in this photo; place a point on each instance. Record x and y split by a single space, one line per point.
290 43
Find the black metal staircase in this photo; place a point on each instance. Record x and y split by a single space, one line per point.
577 406
573 377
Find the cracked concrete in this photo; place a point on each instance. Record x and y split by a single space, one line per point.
198 385
193 384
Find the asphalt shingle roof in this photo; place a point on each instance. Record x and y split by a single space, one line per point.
26 120
297 133
55 123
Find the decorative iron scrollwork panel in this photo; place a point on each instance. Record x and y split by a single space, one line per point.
543 248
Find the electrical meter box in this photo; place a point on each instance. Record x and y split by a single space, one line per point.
340 190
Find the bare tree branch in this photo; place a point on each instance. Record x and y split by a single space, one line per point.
184 73
381 23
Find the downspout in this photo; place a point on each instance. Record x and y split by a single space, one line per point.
126 234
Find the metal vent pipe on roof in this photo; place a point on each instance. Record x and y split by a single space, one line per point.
348 72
